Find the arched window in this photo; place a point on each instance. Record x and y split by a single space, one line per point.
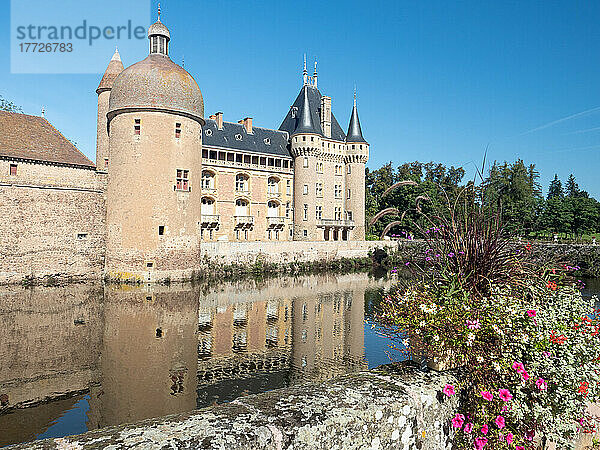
208 179
241 182
272 209
208 206
242 207
273 185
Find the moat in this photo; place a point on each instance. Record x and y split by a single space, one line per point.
86 356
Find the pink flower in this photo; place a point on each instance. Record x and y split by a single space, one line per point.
541 384
505 394
448 390
529 435
546 354
525 375
519 367
487 395
500 422
484 429
510 438
458 420
468 428
520 447
479 443
473 324
531 313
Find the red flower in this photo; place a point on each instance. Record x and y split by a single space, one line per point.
583 388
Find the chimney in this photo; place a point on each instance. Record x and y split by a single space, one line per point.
247 122
213 117
326 116
219 119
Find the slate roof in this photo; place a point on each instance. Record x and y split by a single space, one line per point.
32 137
114 68
354 131
254 142
313 95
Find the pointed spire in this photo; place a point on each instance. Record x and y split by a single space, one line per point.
315 74
115 67
305 72
305 123
354 132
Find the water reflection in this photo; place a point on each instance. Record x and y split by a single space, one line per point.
112 355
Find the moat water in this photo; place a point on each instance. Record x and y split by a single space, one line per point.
86 356
81 357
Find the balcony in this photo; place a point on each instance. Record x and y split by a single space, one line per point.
244 221
209 190
335 223
274 222
273 194
210 219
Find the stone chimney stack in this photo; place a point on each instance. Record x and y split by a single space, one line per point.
326 116
219 119
247 122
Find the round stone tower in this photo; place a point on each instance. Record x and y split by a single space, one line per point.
305 148
153 198
357 155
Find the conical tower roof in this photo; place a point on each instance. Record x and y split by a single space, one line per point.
305 123
354 132
115 67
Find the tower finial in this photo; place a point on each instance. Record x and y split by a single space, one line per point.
183 61
158 12
315 74
305 72
355 95
43 112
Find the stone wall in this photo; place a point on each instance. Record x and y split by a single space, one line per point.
48 231
400 408
287 252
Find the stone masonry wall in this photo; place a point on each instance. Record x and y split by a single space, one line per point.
50 231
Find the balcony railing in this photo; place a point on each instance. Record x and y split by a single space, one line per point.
275 221
244 220
210 218
335 223
209 190
274 194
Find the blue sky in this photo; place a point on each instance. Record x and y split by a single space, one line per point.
436 81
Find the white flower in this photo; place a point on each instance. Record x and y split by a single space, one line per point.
422 323
436 338
480 359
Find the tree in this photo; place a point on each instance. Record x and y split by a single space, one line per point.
572 189
555 190
6 105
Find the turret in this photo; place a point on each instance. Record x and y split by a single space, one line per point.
153 216
357 155
305 147
115 67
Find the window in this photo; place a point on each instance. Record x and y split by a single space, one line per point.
287 210
208 179
338 169
177 130
183 180
305 162
305 233
349 169
246 234
241 207
241 182
105 162
272 209
338 213
238 137
237 234
318 212
13 169
161 230
291 232
319 190
305 189
349 193
337 191
137 126
288 187
267 141
319 167
348 215
305 216
208 132
207 207
273 185
81 236
269 234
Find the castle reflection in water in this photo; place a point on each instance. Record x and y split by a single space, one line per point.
128 353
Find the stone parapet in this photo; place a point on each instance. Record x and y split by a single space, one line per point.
393 407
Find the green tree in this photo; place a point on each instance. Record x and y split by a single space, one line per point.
6 105
555 190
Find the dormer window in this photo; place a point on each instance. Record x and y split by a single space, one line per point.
267 141
159 45
238 137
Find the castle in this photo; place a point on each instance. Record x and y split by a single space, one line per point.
167 179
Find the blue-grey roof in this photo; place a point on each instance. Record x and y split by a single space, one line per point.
354 131
296 124
262 140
